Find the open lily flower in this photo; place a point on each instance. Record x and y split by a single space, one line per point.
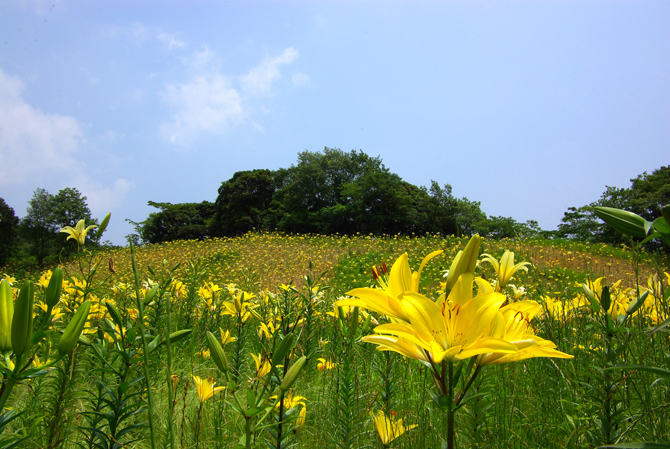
505 269
387 299
78 232
388 427
206 388
512 324
450 331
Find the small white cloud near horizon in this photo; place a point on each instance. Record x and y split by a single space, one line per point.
209 103
259 79
101 199
33 143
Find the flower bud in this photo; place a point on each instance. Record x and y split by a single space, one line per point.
623 221
6 315
283 350
54 288
69 339
292 374
22 322
217 353
103 225
150 295
114 314
464 262
588 292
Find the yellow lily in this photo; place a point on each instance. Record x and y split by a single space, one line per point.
505 269
263 366
78 232
387 300
389 428
324 364
451 329
206 388
226 337
512 324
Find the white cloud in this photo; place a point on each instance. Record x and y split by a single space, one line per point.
300 79
32 142
101 199
206 103
171 40
209 103
41 149
259 79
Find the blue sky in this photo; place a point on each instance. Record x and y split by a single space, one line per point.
527 107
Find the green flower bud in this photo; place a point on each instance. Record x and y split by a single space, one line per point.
54 288
283 350
150 295
6 315
588 292
22 322
605 299
114 314
69 339
103 225
292 374
623 221
216 352
464 262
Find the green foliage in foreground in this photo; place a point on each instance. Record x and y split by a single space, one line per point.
96 397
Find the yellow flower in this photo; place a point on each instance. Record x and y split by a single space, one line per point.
506 268
400 280
262 366
389 428
512 324
205 354
226 338
206 388
325 364
78 232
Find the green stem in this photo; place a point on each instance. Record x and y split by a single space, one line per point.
169 371
247 431
140 321
450 411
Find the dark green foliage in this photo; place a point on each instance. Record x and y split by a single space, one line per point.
243 202
646 196
46 215
8 231
37 227
185 221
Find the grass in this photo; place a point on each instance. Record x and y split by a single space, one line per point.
539 402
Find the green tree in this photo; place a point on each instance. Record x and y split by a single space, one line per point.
582 224
185 221
243 203
649 193
37 226
8 231
69 206
310 194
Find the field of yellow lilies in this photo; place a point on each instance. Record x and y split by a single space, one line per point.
277 341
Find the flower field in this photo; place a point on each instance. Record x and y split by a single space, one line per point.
274 340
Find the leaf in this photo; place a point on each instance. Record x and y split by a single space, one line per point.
662 325
639 446
650 369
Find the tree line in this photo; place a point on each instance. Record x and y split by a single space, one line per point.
35 236
647 194
328 192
